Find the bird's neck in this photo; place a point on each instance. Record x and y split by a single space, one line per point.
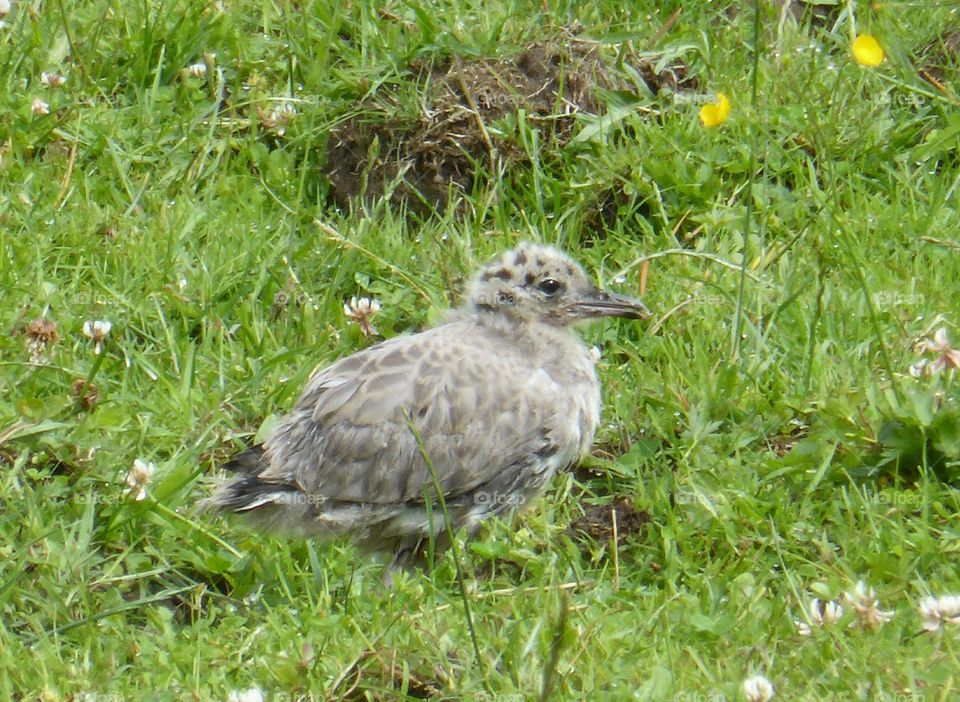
536 339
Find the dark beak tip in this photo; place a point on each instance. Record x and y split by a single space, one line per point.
639 314
630 307
613 305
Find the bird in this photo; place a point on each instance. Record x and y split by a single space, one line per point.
470 418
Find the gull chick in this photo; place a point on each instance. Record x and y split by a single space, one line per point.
498 399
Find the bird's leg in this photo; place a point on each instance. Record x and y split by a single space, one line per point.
411 555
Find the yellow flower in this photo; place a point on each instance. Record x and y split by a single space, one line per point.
713 114
867 51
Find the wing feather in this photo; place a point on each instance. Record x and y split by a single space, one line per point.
352 436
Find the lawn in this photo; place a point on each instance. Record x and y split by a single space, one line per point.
216 180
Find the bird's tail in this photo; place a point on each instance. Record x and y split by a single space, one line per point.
250 461
283 507
249 493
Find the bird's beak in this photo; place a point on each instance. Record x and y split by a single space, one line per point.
600 303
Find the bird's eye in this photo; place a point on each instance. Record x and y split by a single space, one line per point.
550 286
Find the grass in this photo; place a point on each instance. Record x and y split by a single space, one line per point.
775 437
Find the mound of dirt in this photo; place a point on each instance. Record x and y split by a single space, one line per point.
598 520
940 58
378 672
423 159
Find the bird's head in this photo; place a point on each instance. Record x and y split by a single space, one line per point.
539 283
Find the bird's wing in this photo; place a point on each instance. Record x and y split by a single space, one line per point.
481 416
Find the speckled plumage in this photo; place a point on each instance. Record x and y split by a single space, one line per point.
501 396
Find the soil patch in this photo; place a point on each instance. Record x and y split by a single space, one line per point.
940 59
467 116
379 674
598 521
820 15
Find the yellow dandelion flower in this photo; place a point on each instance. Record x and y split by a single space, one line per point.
713 114
867 51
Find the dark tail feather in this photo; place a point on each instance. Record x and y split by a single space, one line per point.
249 461
270 503
247 490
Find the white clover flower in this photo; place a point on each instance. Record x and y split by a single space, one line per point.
254 694
943 356
98 330
361 311
37 351
277 119
937 611
5 7
39 107
286 109
757 688
52 80
820 614
138 477
831 613
41 334
197 70
864 601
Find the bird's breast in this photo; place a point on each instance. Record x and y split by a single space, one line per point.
576 404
